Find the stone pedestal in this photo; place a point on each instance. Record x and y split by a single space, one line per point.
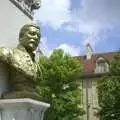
22 109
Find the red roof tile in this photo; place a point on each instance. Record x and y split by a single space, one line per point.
89 65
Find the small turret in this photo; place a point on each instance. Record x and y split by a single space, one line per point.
88 51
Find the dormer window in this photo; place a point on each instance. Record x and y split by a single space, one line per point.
102 66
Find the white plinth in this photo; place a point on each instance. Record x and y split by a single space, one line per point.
22 109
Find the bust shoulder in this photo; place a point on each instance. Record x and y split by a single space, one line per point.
5 54
5 51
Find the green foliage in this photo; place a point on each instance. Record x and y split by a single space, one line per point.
58 86
109 92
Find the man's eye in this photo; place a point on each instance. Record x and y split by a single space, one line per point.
32 33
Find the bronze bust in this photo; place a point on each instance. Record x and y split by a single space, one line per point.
21 64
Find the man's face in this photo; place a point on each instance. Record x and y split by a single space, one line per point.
31 39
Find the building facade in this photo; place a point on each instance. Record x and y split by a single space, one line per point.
13 15
95 66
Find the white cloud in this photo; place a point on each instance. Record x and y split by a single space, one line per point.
70 49
104 12
94 17
53 12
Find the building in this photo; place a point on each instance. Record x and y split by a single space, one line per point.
13 15
95 66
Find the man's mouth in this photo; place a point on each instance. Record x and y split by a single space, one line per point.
32 41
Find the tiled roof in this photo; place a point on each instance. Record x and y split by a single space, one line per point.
89 65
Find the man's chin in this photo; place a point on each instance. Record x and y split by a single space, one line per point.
30 49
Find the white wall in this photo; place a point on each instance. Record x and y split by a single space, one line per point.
11 20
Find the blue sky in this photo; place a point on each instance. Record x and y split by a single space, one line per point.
70 24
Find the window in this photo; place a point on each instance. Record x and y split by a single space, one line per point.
102 66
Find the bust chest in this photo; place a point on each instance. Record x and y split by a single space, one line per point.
23 63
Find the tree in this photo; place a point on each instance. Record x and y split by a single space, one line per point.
59 87
109 92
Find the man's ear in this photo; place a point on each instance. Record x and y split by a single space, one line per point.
20 40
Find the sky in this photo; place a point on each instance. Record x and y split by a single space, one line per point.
71 24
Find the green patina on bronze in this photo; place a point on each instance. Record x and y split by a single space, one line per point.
22 65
